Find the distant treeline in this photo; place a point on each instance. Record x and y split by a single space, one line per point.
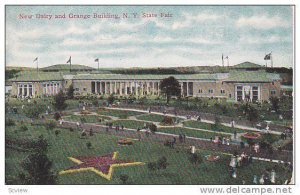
11 73
280 70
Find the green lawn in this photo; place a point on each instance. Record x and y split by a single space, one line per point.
189 132
86 118
155 118
118 113
179 170
132 124
208 126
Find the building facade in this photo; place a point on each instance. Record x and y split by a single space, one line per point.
236 85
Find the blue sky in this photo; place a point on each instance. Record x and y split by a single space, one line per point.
193 36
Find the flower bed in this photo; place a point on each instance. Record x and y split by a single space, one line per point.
212 158
251 135
125 141
101 165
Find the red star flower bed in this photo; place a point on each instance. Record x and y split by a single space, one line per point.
101 163
251 135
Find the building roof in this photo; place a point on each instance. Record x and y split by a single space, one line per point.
252 76
246 65
232 76
286 87
66 67
37 76
144 77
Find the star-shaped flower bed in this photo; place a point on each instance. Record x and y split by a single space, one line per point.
101 165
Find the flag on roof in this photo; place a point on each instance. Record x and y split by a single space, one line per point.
69 61
268 56
97 60
35 59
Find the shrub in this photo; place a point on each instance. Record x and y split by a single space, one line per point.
124 178
83 120
57 132
89 145
83 134
23 127
123 116
95 103
50 125
152 166
57 116
152 127
34 111
71 129
167 120
195 159
10 122
162 163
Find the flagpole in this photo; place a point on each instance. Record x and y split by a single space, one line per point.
37 65
271 56
222 60
98 65
227 61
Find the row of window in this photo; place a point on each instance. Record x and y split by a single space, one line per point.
212 91
45 85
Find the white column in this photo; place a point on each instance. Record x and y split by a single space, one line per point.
136 91
258 89
142 88
187 88
147 84
181 88
131 87
125 88
23 90
115 91
100 87
95 87
251 93
105 88
32 89
27 89
153 88
110 87
18 90
120 88
243 93
158 90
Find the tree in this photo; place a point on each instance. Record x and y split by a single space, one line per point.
170 87
124 178
38 166
70 92
111 99
152 127
59 101
275 103
250 112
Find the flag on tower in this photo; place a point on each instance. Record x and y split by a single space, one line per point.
69 61
97 60
35 59
268 57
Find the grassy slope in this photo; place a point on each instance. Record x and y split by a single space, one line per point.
180 170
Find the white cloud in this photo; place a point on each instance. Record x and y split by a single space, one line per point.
261 22
263 40
191 19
